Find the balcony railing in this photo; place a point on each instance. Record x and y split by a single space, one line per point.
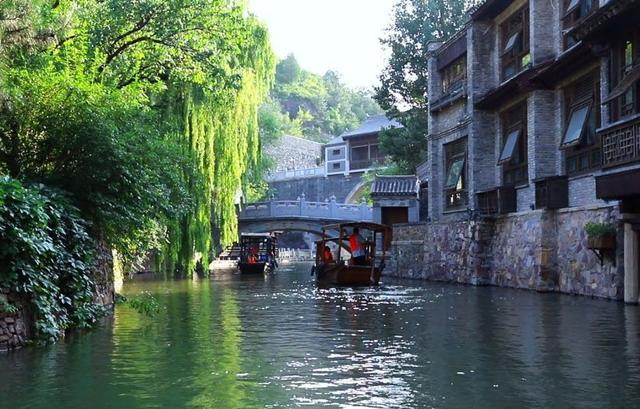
500 200
621 143
365 164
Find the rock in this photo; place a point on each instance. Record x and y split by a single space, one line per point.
20 328
4 338
9 320
12 329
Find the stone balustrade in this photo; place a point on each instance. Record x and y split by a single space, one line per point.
296 174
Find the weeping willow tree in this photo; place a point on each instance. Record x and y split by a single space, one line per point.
220 132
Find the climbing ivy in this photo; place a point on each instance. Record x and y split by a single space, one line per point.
46 256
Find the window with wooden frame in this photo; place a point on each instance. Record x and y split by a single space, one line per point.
580 142
515 44
624 77
455 182
454 75
574 12
513 156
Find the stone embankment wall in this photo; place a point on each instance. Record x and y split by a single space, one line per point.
13 326
537 250
16 328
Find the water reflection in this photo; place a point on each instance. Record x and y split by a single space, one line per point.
278 341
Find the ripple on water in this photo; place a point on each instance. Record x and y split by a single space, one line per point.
279 341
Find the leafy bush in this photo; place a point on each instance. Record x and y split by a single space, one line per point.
7 307
145 303
47 256
600 229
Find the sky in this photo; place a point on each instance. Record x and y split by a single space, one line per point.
339 35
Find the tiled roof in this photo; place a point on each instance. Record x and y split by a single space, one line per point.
335 141
395 185
372 125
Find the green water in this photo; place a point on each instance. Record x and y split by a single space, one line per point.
278 341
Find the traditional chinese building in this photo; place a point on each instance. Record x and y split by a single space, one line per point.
357 151
534 131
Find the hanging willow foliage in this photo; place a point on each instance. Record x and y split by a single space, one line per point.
220 132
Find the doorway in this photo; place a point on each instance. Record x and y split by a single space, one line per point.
395 215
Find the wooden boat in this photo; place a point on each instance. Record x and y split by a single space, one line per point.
258 253
343 271
227 260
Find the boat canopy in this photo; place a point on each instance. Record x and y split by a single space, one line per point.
383 228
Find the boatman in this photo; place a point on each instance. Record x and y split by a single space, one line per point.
357 247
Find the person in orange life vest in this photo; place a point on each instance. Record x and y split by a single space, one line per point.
252 259
327 257
357 247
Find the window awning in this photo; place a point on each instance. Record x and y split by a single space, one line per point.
576 126
511 42
454 174
623 86
510 145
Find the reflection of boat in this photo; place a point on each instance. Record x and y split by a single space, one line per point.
344 271
258 252
227 260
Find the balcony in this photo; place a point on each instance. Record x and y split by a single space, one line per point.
364 164
552 192
497 201
621 143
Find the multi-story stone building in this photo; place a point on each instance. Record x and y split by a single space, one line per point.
534 130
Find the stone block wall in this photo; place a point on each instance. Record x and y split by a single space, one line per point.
580 271
517 250
536 250
291 152
14 327
317 189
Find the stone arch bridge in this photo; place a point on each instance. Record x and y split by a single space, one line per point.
299 215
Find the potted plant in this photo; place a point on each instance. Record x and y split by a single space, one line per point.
601 236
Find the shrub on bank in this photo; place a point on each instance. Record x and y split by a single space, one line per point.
47 257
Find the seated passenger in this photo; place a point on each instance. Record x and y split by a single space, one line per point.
327 256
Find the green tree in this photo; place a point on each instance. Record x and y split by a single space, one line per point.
322 106
147 112
403 90
288 70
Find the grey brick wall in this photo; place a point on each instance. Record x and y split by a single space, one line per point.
542 130
543 30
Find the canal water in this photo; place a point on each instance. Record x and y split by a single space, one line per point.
278 342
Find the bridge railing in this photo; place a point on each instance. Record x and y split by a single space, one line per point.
296 174
329 209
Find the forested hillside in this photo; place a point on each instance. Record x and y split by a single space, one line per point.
312 106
